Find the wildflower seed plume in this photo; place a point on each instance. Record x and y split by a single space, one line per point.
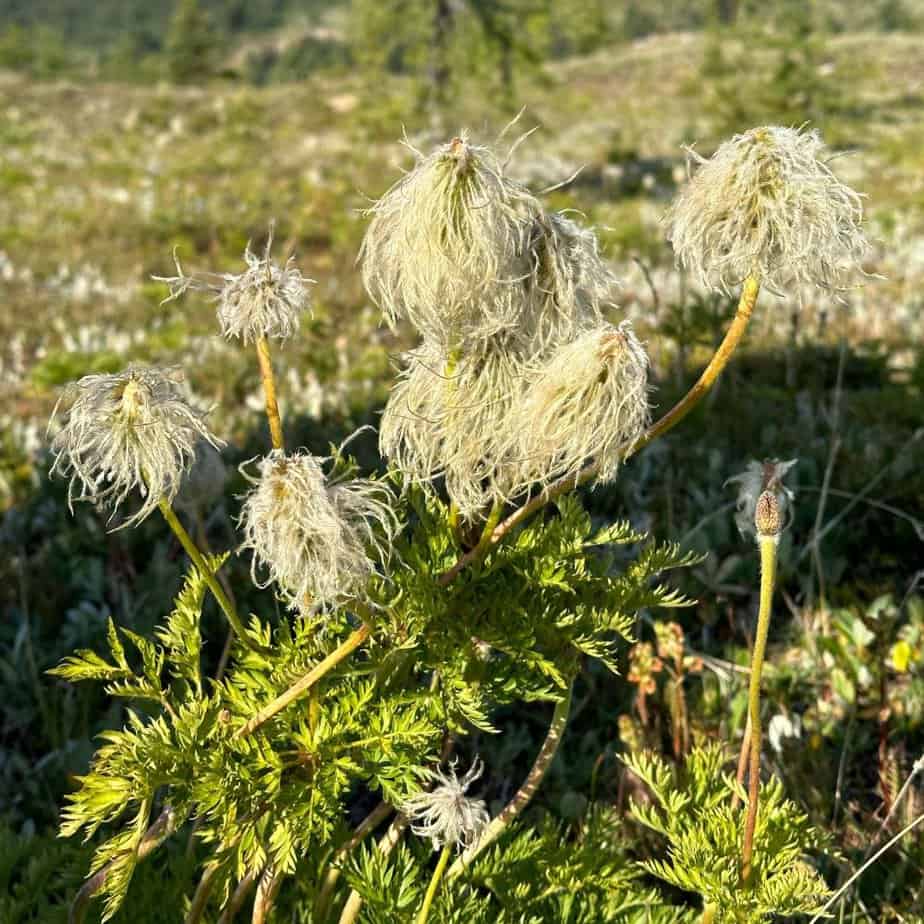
448 417
445 814
764 502
587 401
319 542
119 432
445 245
266 300
767 204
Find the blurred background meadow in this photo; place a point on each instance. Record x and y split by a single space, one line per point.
133 128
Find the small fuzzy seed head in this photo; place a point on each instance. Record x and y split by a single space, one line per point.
766 204
449 417
119 432
318 542
445 247
266 300
589 400
764 502
445 814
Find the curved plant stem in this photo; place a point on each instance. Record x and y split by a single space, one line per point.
332 876
307 681
162 828
203 892
744 759
354 903
709 911
269 393
214 586
525 793
678 412
267 889
434 885
767 577
238 897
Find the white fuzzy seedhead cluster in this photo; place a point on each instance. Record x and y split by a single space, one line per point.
133 430
497 289
764 502
266 300
445 814
589 400
318 542
766 204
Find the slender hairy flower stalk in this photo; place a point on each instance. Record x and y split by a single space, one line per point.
269 393
162 828
680 410
434 884
306 682
709 913
744 759
202 894
237 899
526 792
224 601
354 902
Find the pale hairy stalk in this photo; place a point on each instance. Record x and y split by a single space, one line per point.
307 681
916 768
237 899
388 842
743 760
269 392
214 586
767 576
202 894
162 828
678 412
332 876
267 890
709 912
434 884
525 793
885 847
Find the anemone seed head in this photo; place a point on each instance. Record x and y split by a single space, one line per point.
445 814
767 204
318 542
119 432
587 401
445 247
449 416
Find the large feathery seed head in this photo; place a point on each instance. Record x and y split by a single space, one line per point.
318 542
767 204
445 814
132 430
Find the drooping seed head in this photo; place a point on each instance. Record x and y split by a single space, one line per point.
589 400
445 814
764 502
445 247
319 542
119 432
767 204
266 300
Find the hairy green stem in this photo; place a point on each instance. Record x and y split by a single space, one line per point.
202 894
723 353
391 837
767 577
525 793
709 912
214 586
237 899
267 889
434 884
269 393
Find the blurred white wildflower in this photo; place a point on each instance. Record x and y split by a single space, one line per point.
318 541
589 400
134 429
446 245
445 814
758 479
449 417
266 300
767 204
204 483
783 727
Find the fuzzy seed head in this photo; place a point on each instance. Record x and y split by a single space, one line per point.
119 432
445 814
767 204
266 300
445 247
764 502
319 542
589 400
